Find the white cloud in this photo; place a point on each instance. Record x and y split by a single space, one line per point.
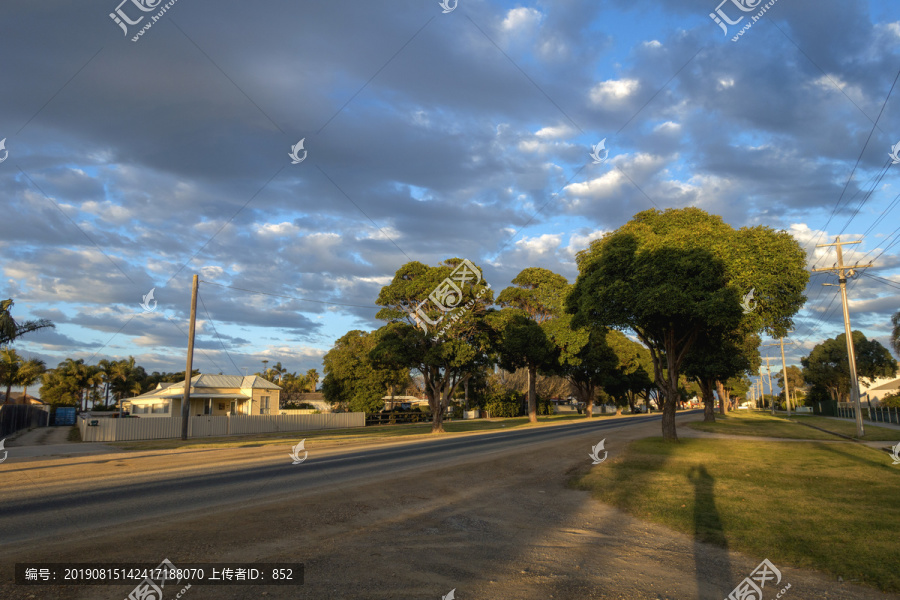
541 245
668 128
277 229
555 132
614 91
521 19
578 242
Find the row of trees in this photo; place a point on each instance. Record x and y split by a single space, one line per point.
674 278
73 382
292 385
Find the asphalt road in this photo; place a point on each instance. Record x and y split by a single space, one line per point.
32 512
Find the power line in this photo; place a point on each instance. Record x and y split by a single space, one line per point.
859 158
211 322
887 282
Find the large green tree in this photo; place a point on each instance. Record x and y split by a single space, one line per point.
795 379
678 275
828 367
714 360
69 382
352 378
436 326
535 298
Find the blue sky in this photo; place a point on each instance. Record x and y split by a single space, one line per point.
133 165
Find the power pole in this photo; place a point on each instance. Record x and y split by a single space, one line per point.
843 272
787 397
186 400
771 390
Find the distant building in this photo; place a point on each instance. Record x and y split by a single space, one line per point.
21 398
314 399
391 402
214 395
879 388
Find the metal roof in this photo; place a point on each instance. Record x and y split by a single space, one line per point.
198 382
201 395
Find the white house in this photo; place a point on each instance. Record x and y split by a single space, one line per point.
215 395
879 388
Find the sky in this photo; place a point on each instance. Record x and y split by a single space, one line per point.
137 155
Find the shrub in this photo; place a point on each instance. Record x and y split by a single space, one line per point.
503 409
890 401
544 406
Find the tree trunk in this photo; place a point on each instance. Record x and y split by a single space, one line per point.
532 400
668 414
672 397
709 401
436 404
8 392
437 413
720 390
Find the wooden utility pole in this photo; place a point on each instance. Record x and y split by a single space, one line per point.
843 272
771 390
787 397
186 400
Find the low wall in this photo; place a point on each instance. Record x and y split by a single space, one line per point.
119 430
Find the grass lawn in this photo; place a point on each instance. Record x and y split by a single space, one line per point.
376 433
826 506
745 422
873 433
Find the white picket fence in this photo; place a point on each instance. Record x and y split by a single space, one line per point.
119 430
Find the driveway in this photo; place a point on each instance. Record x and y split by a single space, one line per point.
49 441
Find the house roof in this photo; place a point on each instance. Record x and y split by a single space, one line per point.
175 396
16 398
890 385
199 382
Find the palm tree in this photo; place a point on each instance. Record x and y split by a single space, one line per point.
279 371
10 330
30 372
312 378
125 380
10 362
107 368
16 371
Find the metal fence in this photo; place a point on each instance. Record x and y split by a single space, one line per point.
119 430
394 418
875 415
15 417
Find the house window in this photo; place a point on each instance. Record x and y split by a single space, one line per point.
207 407
138 409
264 405
160 408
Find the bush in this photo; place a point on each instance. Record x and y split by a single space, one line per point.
544 406
503 409
890 401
